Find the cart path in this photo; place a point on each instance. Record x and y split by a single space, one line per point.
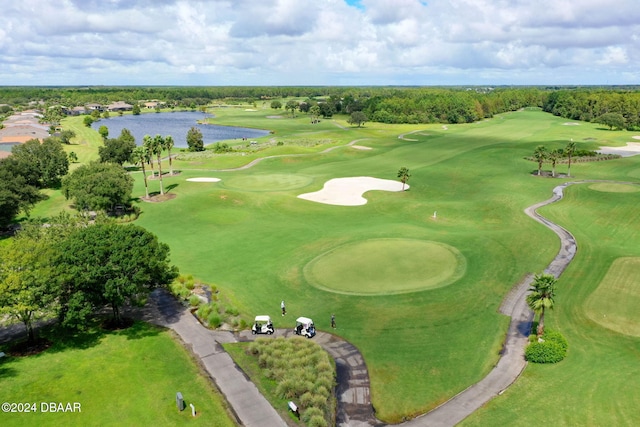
354 406
256 161
511 362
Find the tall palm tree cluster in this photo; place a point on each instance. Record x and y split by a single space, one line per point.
143 155
541 155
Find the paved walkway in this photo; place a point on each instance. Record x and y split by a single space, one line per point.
512 362
354 404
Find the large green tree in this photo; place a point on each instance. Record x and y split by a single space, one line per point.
118 150
25 274
98 186
613 120
16 194
194 140
41 164
542 297
357 118
110 264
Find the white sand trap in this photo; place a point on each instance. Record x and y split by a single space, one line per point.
203 179
361 147
444 127
636 137
631 149
274 117
571 124
249 109
349 191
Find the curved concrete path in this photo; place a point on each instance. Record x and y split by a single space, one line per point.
354 406
511 362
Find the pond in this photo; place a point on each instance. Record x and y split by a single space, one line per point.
176 124
6 146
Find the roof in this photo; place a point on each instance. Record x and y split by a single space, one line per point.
263 318
305 320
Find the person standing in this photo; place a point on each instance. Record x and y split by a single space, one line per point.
333 321
284 309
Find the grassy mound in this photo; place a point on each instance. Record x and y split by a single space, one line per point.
386 266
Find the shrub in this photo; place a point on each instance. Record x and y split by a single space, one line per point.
552 349
190 285
309 413
194 301
213 320
317 421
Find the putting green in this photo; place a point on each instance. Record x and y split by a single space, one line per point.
607 187
267 182
386 266
614 304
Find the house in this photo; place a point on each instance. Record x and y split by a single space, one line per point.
119 106
94 107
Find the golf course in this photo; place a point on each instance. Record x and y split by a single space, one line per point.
415 273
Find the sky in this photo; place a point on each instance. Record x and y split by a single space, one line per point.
319 42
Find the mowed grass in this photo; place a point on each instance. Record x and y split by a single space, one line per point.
386 266
124 378
614 304
598 382
421 348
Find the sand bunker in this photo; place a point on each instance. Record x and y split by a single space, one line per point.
360 147
203 179
571 124
636 137
349 191
631 149
274 117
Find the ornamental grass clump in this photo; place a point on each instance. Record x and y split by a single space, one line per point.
304 373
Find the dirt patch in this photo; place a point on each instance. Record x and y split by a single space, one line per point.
159 198
25 348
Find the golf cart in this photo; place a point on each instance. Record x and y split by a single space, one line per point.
262 325
304 326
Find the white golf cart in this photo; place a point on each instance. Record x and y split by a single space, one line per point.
305 327
262 325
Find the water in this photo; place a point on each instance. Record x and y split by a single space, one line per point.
177 125
6 146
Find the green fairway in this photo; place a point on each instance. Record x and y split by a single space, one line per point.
386 266
418 295
614 304
124 378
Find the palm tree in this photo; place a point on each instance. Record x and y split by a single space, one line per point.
553 156
541 295
168 145
569 150
158 144
139 156
147 143
540 154
404 176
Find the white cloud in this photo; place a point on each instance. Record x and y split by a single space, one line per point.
319 41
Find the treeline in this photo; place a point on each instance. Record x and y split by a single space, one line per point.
600 106
379 104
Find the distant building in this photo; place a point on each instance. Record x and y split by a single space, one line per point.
119 106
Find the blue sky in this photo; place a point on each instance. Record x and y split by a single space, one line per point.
319 42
